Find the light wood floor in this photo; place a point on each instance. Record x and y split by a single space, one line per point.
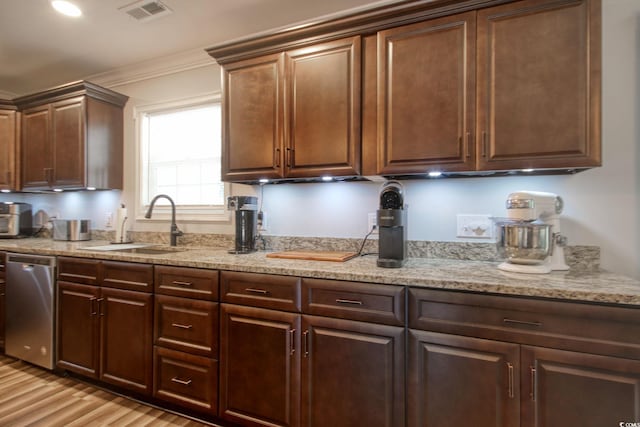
30 396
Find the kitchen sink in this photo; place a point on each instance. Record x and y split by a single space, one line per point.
135 248
150 250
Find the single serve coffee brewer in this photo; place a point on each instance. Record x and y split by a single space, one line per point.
246 221
392 226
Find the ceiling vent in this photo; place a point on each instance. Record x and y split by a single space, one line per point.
146 10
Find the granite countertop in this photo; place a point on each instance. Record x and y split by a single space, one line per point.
477 276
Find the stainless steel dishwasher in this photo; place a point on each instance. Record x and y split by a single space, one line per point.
30 309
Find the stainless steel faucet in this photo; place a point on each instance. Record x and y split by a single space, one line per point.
175 232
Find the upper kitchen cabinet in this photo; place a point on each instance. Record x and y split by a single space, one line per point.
539 78
77 129
467 86
293 114
426 97
9 138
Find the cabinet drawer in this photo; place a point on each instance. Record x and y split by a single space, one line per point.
260 290
585 327
127 275
187 325
354 300
187 282
78 270
186 380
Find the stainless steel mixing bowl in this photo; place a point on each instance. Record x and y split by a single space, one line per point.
524 242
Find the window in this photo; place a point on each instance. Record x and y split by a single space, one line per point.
179 154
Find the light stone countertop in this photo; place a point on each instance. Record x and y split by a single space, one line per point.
476 276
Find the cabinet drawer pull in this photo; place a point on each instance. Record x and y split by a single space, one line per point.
348 301
305 335
256 291
521 322
178 325
180 381
510 369
179 283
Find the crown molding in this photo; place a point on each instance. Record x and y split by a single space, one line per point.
153 68
7 95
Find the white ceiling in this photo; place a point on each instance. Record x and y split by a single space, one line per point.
40 48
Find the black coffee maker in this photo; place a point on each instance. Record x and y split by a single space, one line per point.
246 219
392 228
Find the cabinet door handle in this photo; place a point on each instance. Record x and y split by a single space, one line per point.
510 373
305 336
521 322
348 301
100 306
292 348
277 163
181 381
180 283
256 291
289 157
484 144
532 392
178 325
92 306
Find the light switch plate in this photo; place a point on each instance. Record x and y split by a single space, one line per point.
474 226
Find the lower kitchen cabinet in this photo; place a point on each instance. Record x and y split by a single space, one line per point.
186 380
259 366
563 388
2 299
505 361
186 338
454 380
352 373
106 333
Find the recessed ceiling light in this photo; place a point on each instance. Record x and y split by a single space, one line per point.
66 8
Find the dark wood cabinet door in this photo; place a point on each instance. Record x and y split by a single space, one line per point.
539 84
252 130
323 109
426 96
454 380
259 366
36 166
127 334
352 373
68 142
78 336
8 149
562 388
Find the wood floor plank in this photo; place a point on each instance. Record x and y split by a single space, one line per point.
34 397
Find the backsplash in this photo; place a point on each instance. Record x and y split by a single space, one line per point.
586 258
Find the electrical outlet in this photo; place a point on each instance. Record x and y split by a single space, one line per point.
372 220
474 226
108 220
262 221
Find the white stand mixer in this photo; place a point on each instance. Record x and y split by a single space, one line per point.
523 208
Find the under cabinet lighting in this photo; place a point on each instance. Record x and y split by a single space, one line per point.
58 190
263 181
91 188
327 178
527 170
66 8
435 174
5 191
